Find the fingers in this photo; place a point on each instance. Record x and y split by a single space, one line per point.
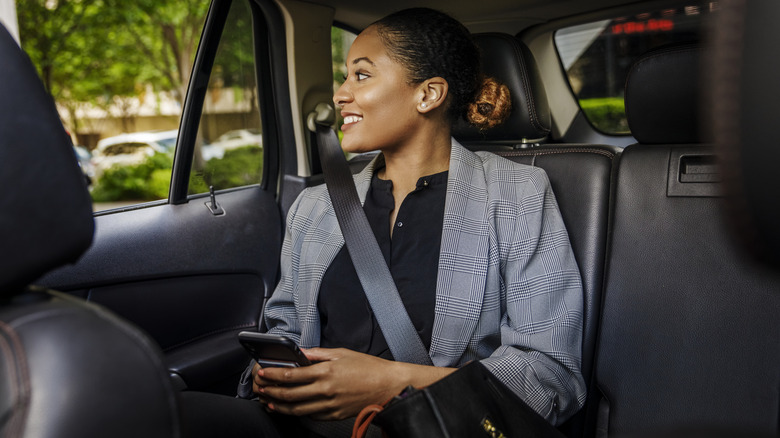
293 376
258 382
323 354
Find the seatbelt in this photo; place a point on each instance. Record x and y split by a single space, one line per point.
401 336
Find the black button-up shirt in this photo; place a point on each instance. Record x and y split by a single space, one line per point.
412 256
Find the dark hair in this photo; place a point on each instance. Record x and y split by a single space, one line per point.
433 44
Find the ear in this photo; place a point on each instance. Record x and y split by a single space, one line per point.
432 94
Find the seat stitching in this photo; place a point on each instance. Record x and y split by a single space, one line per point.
526 83
21 382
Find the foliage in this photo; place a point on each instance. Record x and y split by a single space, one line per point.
103 51
606 114
147 181
338 54
238 167
150 180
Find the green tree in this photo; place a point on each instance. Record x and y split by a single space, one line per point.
167 32
105 52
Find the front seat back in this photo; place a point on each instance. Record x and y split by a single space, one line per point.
689 328
67 368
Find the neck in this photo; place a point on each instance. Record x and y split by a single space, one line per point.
427 157
404 166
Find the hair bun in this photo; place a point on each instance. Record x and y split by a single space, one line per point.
492 105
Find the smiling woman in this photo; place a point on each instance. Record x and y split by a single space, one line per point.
465 235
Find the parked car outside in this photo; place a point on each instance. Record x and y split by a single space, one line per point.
131 148
232 140
85 162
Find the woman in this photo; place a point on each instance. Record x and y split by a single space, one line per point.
476 243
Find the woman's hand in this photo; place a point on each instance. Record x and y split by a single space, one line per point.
258 383
339 384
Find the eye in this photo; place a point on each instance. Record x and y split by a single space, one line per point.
360 76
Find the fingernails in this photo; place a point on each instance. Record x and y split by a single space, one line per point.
260 372
271 407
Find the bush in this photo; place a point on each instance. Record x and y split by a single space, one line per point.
238 167
606 114
147 181
151 179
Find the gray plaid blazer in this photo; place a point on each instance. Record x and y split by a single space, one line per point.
508 292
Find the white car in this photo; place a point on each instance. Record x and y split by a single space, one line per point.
131 148
232 140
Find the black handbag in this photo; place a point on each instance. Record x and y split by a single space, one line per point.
471 402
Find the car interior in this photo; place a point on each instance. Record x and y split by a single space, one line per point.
106 316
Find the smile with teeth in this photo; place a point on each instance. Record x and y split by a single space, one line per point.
352 119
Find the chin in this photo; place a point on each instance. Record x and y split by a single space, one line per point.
353 146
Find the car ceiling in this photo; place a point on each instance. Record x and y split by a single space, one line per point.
510 16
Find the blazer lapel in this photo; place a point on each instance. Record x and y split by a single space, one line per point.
463 261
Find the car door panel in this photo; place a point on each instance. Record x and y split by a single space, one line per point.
192 280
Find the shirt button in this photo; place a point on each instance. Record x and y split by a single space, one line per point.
400 224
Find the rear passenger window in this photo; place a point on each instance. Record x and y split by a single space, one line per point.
341 40
119 77
598 55
229 147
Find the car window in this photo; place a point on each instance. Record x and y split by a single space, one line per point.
597 56
341 40
118 76
229 150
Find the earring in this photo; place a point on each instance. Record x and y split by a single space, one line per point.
423 105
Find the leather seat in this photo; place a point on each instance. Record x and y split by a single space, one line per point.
580 174
689 330
67 368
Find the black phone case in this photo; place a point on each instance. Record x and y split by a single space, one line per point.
272 350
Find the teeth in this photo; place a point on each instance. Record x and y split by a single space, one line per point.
352 119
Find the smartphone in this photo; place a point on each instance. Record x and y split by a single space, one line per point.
273 350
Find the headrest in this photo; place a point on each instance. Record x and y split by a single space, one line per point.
508 60
46 218
662 95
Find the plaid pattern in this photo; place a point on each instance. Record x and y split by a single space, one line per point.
508 292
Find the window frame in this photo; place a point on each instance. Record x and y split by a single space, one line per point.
270 101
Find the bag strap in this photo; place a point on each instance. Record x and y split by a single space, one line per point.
364 420
401 336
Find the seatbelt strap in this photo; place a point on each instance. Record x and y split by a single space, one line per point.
370 264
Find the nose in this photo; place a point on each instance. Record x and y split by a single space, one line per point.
342 96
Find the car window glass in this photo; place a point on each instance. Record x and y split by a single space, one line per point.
119 77
598 55
341 40
229 149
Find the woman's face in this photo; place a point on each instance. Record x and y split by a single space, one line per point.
378 105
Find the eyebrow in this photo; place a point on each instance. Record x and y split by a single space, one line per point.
364 58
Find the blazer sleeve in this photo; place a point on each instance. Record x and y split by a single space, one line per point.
542 321
280 312
281 315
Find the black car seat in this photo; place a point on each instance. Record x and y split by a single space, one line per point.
579 174
67 368
690 330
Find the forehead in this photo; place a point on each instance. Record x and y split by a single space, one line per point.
368 45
